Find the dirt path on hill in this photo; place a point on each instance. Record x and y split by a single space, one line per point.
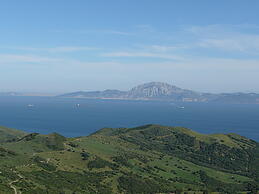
15 181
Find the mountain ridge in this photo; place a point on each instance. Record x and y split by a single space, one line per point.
166 92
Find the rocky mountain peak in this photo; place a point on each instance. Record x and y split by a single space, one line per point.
154 89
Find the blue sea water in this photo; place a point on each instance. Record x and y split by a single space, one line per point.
63 115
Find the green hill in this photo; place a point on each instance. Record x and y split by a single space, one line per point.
7 134
146 159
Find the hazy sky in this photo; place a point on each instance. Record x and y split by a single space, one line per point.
69 45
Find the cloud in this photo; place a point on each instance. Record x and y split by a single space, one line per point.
70 49
61 49
163 48
233 38
177 61
221 29
236 41
98 31
193 43
142 54
117 32
145 28
242 43
14 58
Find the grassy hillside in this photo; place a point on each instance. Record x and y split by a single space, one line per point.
7 134
146 159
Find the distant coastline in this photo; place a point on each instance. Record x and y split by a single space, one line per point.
166 92
153 91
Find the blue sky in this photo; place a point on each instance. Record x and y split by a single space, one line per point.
63 45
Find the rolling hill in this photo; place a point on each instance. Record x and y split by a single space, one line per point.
7 134
145 159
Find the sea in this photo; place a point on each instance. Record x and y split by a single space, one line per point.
80 117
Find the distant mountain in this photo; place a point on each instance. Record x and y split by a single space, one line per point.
10 94
148 159
158 90
164 91
96 94
25 94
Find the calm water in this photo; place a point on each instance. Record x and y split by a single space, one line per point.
63 116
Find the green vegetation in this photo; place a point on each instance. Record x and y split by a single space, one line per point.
7 134
146 159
